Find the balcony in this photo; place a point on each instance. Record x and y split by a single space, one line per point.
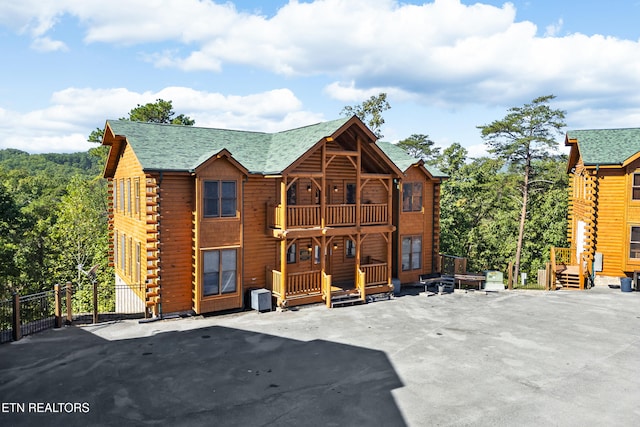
308 216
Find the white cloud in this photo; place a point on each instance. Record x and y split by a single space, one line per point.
45 44
554 29
74 112
442 53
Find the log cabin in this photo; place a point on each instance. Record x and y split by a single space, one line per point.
319 214
604 206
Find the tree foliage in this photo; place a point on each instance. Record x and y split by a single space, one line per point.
420 147
370 112
525 135
160 111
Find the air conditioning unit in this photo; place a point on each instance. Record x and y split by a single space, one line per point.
261 299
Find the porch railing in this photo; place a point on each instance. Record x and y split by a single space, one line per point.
296 284
375 274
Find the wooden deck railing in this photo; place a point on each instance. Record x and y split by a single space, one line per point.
305 283
375 213
335 215
276 284
303 216
341 215
374 274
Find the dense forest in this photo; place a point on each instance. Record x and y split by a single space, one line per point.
53 209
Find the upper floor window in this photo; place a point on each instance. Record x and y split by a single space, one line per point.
412 197
635 187
350 195
122 205
292 194
291 254
136 191
220 199
634 243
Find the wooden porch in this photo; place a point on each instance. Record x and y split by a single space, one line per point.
566 271
316 286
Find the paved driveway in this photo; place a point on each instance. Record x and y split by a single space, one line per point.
516 358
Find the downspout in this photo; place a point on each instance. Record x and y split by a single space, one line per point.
244 180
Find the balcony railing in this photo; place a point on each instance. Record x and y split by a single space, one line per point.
301 216
296 284
374 213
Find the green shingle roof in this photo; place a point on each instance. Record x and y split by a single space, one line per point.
184 148
606 146
402 160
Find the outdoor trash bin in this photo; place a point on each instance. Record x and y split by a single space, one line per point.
625 284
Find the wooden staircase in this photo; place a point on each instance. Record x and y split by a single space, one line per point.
345 298
568 276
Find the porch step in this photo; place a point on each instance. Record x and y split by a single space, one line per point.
347 298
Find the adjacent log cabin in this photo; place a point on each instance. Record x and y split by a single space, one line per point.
201 216
604 201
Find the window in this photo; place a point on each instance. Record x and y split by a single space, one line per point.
350 248
412 197
219 199
123 253
316 254
130 257
115 248
411 253
634 245
635 188
219 272
114 184
350 196
291 254
137 278
122 194
292 194
129 210
136 191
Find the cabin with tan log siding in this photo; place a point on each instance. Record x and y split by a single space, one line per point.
604 201
324 213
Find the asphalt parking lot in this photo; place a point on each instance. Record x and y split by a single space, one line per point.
525 358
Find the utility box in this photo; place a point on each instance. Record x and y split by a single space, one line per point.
261 299
494 281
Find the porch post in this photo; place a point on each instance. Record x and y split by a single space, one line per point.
389 255
283 268
359 184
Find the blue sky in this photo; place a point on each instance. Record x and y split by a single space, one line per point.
446 65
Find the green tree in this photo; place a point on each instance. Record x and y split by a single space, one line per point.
524 135
452 159
80 231
420 147
9 216
370 112
160 111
